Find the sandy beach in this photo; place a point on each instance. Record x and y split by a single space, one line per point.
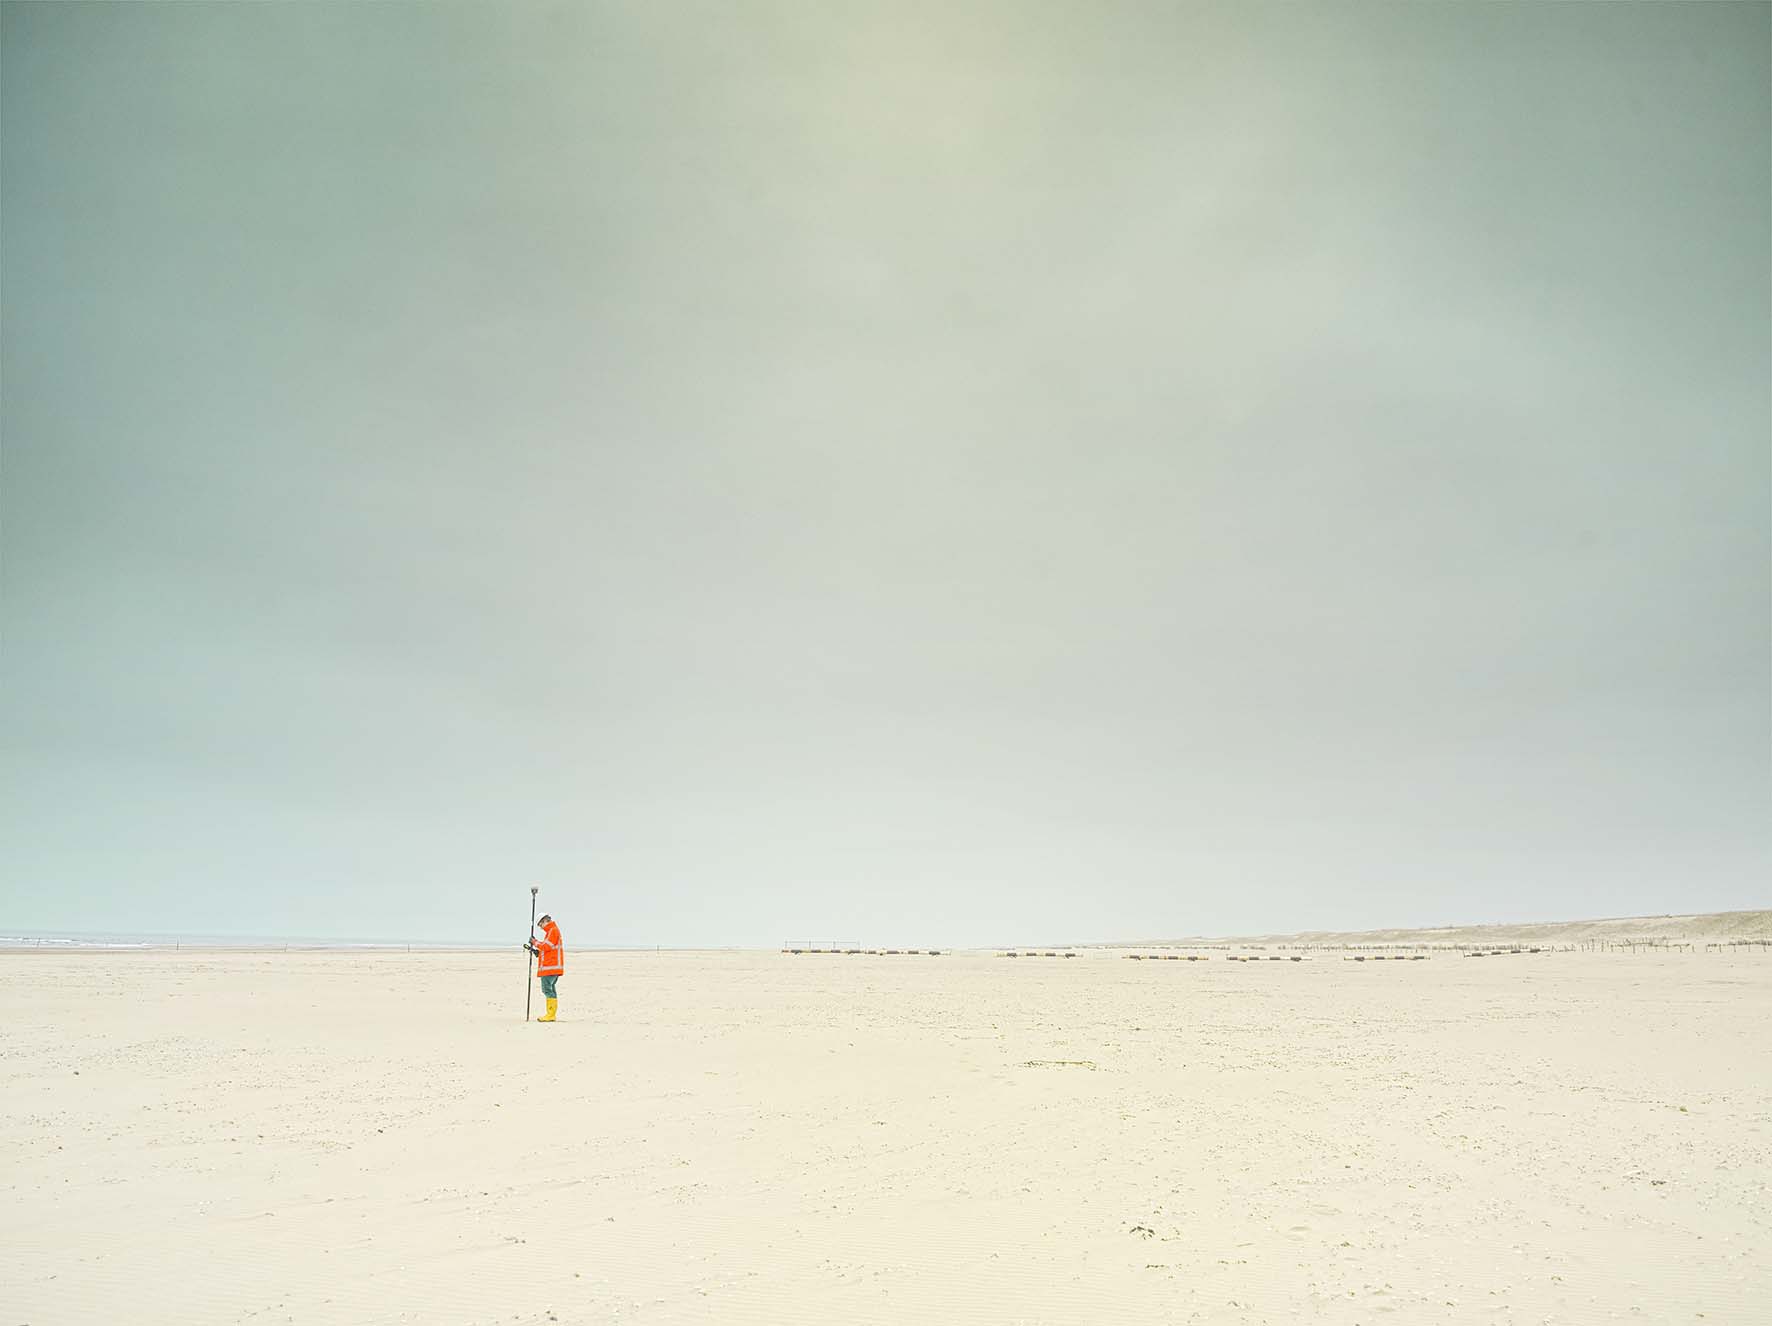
751 1137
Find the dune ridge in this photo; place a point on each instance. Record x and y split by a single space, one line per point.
1705 927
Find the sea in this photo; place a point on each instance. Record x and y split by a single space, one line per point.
115 939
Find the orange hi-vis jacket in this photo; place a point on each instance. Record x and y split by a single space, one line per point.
551 961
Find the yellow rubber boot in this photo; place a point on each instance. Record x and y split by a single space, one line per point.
553 1007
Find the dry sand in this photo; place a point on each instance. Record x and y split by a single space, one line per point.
760 1138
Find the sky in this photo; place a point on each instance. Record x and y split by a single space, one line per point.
902 472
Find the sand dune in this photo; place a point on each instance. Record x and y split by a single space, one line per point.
751 1138
1712 927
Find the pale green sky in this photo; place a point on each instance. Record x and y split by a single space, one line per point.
902 472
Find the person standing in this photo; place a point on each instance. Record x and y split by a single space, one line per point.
550 964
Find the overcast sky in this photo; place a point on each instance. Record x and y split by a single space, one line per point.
938 473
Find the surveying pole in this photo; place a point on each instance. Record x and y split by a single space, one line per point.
529 948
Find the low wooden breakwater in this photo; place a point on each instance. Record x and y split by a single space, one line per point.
1305 952
1205 957
828 946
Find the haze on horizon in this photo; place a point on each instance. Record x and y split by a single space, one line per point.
888 472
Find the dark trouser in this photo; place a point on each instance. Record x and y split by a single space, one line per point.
549 985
